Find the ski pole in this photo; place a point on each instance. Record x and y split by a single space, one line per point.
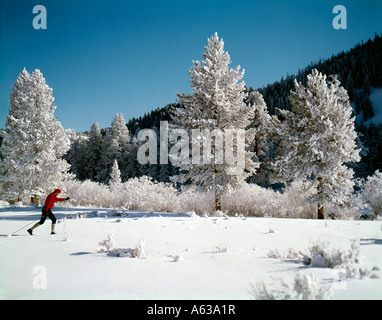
10 235
66 212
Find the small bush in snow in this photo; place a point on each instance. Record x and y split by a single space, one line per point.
176 258
321 255
138 252
220 249
291 255
304 287
108 244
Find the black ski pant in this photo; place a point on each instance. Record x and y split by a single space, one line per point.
49 214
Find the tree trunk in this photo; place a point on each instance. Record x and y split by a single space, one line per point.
218 203
320 211
320 206
35 200
218 199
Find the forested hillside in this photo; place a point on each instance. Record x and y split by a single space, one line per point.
359 70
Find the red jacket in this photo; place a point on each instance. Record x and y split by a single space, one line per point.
50 200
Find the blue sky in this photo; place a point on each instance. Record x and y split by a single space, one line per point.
102 57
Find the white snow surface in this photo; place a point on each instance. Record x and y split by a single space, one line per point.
185 256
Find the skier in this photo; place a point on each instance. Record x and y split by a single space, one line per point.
47 211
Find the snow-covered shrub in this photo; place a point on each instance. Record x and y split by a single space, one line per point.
194 200
144 194
373 192
291 255
135 194
295 201
108 243
304 287
357 207
89 193
250 199
176 258
221 249
253 200
138 252
321 255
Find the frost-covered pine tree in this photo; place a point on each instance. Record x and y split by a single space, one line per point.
261 145
34 141
115 177
114 146
215 107
119 131
318 138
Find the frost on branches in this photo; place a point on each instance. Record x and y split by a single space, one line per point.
216 106
34 141
318 139
115 177
373 192
114 147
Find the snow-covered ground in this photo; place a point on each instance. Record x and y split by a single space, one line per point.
184 256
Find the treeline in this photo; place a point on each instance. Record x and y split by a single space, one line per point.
359 71
93 153
151 119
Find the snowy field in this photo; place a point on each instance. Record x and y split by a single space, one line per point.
105 254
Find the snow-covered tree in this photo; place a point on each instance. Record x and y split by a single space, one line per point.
34 141
114 146
119 131
215 107
318 139
261 145
115 177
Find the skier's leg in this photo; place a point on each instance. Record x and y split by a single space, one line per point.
34 227
42 220
43 215
54 220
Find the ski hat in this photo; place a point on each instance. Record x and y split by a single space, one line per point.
57 190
